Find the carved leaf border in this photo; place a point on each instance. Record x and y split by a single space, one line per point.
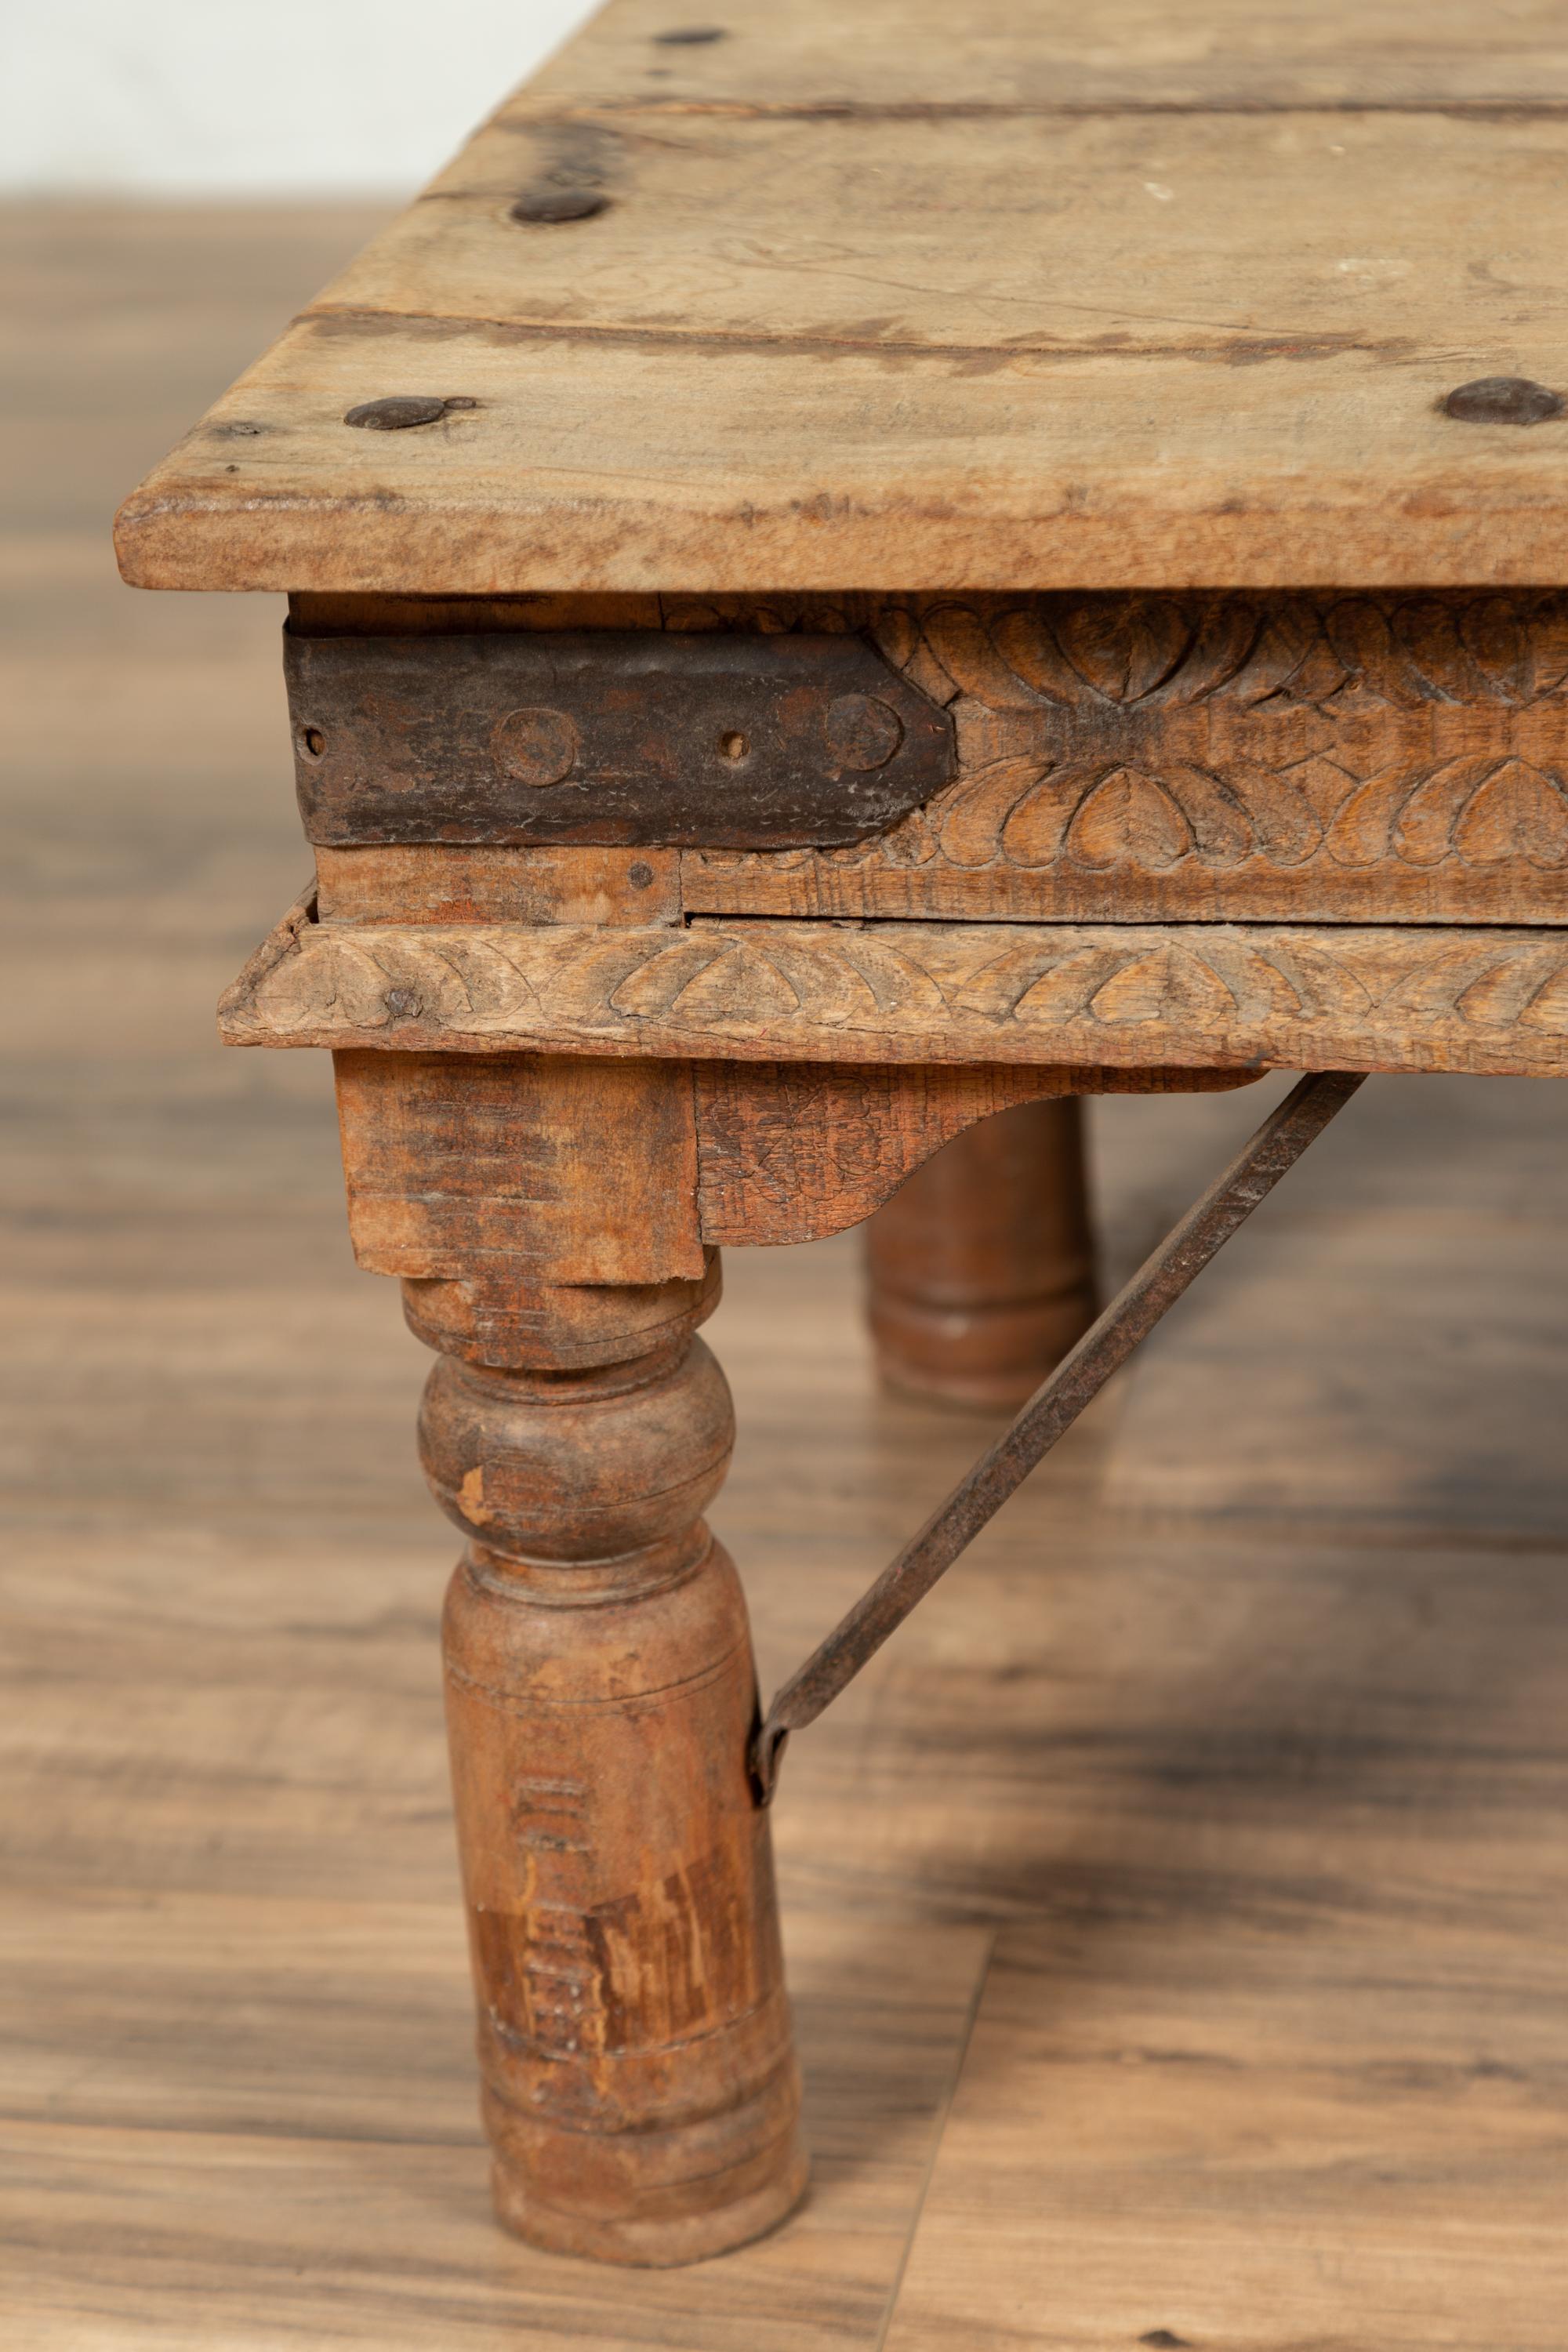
809 988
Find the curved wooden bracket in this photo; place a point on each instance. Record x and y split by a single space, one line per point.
790 1151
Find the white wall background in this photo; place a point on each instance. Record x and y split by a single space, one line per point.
255 98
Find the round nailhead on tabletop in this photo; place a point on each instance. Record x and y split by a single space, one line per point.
545 207
396 414
1503 400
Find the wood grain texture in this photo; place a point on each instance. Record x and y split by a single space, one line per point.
490 1184
1408 2143
896 341
1325 997
460 1165
1219 1388
278 2142
1050 57
640 2083
1134 758
488 1314
792 1151
452 885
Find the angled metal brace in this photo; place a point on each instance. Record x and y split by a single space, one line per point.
1050 1413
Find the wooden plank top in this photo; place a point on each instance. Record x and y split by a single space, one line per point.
900 296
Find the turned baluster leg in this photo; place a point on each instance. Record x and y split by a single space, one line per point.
981 1267
638 2082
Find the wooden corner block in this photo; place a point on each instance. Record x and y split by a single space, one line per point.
568 1171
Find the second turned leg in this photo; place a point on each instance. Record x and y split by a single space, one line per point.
638 2082
981 1267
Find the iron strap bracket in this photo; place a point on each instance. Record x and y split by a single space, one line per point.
1050 1413
616 737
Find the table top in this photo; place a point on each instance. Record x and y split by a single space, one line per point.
902 295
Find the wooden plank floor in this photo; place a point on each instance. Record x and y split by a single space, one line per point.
1226 1775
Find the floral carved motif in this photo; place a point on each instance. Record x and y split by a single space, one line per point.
1235 753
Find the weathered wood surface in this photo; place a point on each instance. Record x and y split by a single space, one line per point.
790 1152
471 1174
500 1314
980 1269
454 885
236 2059
236 2065
542 1169
1050 57
639 2085
1189 320
1300 997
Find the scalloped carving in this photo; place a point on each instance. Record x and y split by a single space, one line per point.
1398 997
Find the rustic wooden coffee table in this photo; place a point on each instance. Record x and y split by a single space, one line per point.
851 569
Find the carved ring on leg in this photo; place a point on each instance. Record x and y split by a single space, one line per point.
640 2089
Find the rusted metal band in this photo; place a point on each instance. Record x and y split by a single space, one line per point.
618 737
1050 1413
